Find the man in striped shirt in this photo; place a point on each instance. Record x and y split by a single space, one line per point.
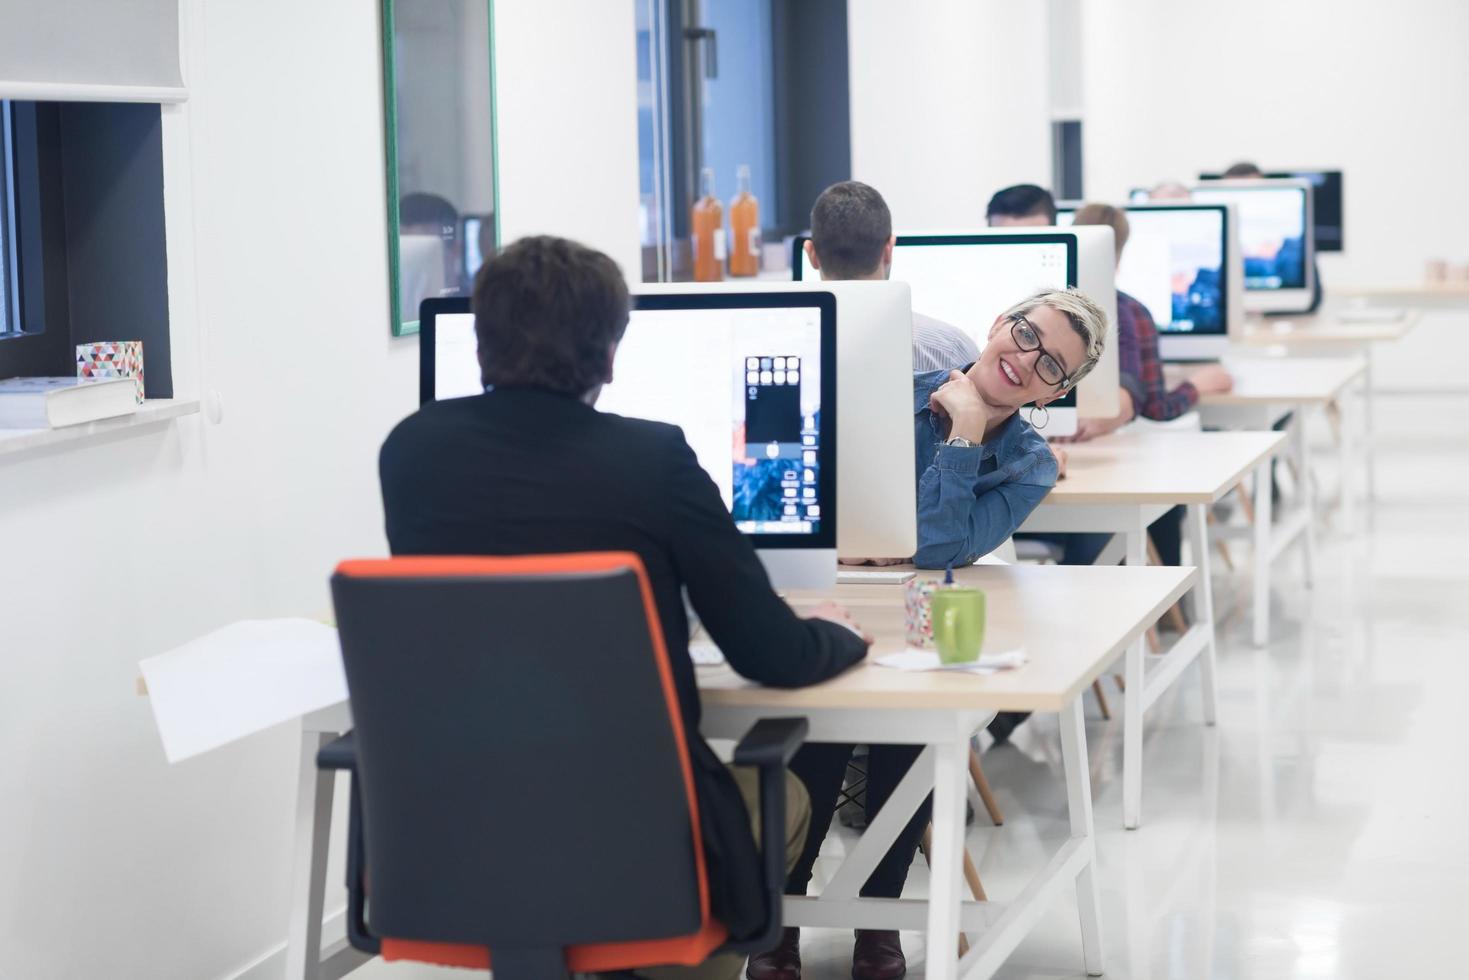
852 238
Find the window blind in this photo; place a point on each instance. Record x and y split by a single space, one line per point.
90 50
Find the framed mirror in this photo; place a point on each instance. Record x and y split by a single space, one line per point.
439 115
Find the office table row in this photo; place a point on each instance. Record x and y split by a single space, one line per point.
1074 623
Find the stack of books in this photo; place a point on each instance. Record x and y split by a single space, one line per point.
50 403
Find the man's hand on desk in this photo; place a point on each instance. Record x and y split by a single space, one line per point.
1212 379
834 613
1087 429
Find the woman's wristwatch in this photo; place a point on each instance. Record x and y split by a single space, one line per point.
959 441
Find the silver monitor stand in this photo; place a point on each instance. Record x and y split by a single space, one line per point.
800 568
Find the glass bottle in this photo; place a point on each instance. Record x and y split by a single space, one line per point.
707 231
744 227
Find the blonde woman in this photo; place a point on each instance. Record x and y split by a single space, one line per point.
981 471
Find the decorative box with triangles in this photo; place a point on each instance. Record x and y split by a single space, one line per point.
112 359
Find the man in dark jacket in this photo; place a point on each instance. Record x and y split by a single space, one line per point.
531 467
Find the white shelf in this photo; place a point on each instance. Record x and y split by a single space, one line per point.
151 412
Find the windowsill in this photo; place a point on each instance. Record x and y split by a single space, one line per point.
152 412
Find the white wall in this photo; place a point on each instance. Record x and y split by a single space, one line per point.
112 863
567 123
1380 90
950 102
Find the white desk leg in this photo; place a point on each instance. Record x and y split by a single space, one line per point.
1369 433
1348 458
1203 605
1302 450
1079 804
1263 529
950 770
314 791
1132 702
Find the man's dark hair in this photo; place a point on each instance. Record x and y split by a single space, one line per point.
419 209
1244 169
1022 201
547 312
850 227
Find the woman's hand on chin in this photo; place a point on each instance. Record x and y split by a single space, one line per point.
969 415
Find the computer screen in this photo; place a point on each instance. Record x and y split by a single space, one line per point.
744 383
746 376
1326 204
1272 231
968 280
1174 264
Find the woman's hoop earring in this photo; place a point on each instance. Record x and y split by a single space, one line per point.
1045 417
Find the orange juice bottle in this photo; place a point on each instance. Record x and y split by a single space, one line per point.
707 223
744 227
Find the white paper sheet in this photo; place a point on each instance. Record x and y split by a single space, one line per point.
242 679
913 659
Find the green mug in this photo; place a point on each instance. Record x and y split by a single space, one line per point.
958 624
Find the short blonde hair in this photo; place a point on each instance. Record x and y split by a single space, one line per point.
1087 318
1105 214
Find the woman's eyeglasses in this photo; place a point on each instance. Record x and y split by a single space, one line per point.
1028 339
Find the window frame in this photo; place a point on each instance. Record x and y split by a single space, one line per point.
10 321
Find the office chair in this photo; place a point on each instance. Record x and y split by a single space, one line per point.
481 689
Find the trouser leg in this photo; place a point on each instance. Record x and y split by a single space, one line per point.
886 767
728 966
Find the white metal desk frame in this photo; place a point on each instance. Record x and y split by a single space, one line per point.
943 768
1129 522
1271 538
1318 335
306 959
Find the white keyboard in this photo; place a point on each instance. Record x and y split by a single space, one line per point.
851 576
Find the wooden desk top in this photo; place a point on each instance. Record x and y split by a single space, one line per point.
1147 466
1260 380
1453 289
1073 622
1328 329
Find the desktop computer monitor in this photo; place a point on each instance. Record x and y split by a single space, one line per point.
879 513
1276 240
1182 262
472 227
968 279
751 380
1326 204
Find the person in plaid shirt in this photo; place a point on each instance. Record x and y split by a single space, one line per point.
1144 393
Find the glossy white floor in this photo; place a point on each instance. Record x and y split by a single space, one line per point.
1320 829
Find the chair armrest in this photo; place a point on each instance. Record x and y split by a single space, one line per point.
770 742
769 745
340 753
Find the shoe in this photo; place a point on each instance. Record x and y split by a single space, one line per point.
1006 722
781 963
877 955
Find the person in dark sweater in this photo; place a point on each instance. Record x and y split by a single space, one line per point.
531 467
